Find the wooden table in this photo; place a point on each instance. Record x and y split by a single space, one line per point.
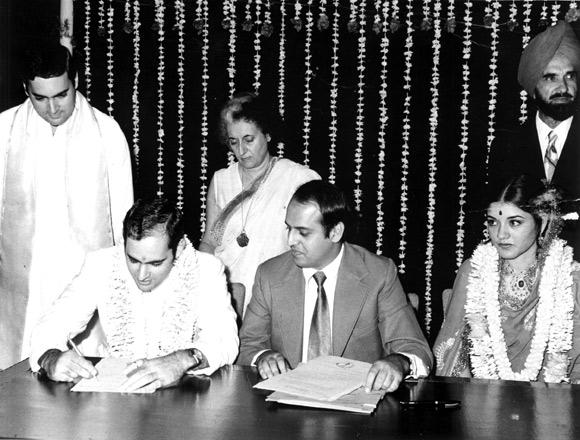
226 407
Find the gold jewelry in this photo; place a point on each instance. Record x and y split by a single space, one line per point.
516 286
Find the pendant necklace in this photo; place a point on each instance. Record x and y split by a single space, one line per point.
243 238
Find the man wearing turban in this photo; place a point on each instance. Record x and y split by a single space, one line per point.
547 146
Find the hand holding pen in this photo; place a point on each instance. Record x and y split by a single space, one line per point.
67 366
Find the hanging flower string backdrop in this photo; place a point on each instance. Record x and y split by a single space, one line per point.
463 146
159 24
333 129
406 131
433 124
204 111
304 41
136 75
382 10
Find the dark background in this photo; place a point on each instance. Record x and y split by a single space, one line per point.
22 23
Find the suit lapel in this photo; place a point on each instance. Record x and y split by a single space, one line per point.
568 165
290 310
349 297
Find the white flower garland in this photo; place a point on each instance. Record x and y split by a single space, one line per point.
451 22
427 20
110 75
297 21
406 130
87 36
247 25
204 111
493 83
525 41
257 48
554 318
230 15
178 329
282 70
544 14
101 12
160 22
395 20
180 23
128 25
555 12
360 106
433 123
334 93
322 22
307 79
383 120
464 145
137 73
512 22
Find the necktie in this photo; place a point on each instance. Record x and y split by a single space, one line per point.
320 339
551 156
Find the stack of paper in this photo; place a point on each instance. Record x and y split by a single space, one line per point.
109 379
325 382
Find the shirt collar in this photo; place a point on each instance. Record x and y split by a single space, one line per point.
330 270
561 129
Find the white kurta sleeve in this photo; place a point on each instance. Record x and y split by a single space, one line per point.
218 331
120 177
70 313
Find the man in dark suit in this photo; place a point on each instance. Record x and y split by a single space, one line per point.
328 297
547 146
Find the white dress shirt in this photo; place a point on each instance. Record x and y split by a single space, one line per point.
544 130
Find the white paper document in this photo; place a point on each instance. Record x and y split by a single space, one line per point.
324 378
358 401
109 379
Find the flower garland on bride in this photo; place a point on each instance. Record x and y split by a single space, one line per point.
552 337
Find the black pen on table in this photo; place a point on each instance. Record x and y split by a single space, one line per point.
446 404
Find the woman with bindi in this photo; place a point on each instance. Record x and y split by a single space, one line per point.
247 201
514 312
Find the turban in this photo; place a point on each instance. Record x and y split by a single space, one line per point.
556 40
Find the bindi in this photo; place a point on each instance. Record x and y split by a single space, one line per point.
500 213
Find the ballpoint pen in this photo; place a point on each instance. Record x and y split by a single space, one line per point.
72 345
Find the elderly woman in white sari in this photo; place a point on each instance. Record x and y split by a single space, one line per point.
514 313
247 201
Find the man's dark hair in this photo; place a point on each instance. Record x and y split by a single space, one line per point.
157 215
47 61
331 202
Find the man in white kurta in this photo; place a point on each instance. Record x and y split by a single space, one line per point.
154 302
65 185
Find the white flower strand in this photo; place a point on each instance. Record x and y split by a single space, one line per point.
87 48
282 70
451 22
110 63
555 12
180 23
463 146
433 123
383 120
232 47
493 83
334 93
360 106
257 48
573 14
160 22
406 130
231 6
101 13
136 74
544 14
204 112
307 79
525 41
